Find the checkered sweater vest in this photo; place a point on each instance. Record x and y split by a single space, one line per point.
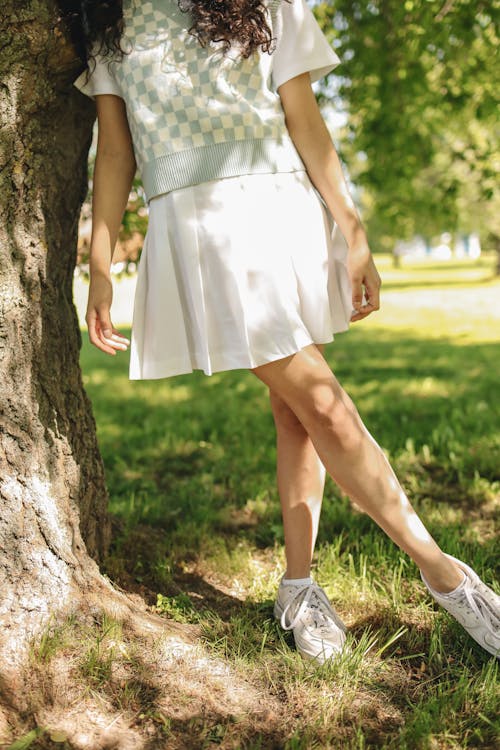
194 113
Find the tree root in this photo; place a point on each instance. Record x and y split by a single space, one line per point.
108 673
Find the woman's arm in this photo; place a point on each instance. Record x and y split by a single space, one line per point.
313 142
114 171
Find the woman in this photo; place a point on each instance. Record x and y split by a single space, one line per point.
212 101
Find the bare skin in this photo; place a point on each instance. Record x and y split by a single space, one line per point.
317 424
306 385
301 483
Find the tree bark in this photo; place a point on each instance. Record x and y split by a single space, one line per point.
52 488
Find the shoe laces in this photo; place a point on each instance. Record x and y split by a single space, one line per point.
315 601
483 608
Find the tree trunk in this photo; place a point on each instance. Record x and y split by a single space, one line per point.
52 487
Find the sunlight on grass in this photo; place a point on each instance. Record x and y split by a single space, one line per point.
427 386
190 465
423 272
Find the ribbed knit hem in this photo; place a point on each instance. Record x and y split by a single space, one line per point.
219 160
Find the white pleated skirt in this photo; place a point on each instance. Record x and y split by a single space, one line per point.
236 273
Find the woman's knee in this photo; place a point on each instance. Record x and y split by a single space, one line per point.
319 404
327 406
304 390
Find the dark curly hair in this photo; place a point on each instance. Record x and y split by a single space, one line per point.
99 26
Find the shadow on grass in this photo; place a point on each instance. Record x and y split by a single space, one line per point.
428 392
380 363
185 454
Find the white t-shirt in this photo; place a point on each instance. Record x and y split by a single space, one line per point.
302 47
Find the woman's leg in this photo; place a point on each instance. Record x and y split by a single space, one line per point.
302 606
353 458
301 480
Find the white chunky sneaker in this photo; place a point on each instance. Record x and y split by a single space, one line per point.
475 606
318 631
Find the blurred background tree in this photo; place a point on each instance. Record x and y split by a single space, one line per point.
417 83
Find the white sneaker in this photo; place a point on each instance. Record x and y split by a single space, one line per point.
475 606
318 631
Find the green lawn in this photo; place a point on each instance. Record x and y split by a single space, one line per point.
190 469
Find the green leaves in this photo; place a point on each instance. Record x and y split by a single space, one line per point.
417 80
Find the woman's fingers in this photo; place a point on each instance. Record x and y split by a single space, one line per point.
371 302
372 288
117 336
366 309
357 292
97 332
108 335
365 278
371 305
362 275
102 334
116 340
363 313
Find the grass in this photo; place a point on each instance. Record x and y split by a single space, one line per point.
190 469
190 466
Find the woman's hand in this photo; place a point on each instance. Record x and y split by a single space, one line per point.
365 280
101 331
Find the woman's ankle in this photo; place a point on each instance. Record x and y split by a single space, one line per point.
445 576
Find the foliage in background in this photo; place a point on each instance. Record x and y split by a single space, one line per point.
134 218
417 80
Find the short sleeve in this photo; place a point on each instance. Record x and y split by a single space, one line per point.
301 46
100 80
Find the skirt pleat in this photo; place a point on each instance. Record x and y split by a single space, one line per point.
236 273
